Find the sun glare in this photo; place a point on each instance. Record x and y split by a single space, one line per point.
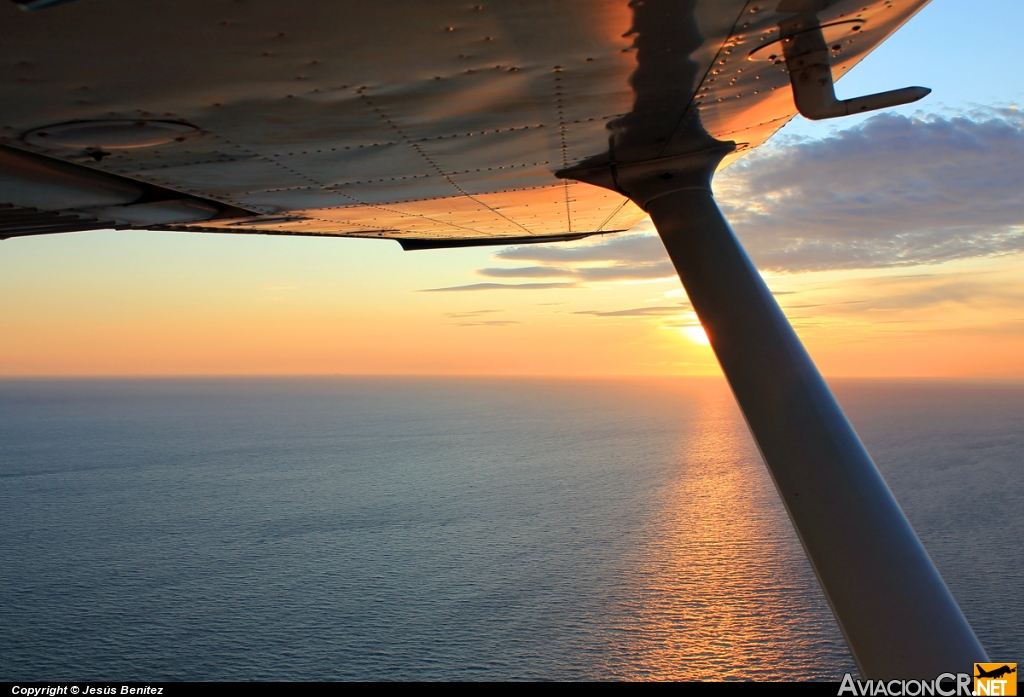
696 334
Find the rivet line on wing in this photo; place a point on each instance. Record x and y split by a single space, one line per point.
718 57
261 156
562 128
326 187
613 214
415 146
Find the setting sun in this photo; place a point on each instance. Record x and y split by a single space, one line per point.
696 334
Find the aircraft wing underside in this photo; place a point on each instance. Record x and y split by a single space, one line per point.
432 122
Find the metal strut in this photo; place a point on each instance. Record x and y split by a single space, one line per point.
898 617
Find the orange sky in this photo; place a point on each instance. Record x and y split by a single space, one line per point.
138 303
896 247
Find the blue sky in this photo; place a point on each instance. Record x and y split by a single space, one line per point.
958 48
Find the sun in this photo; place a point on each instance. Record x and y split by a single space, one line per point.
696 334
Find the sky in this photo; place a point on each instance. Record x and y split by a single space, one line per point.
894 241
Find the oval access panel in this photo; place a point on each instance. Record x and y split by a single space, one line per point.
120 134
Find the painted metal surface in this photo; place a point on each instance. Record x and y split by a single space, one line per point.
440 120
97 199
18 221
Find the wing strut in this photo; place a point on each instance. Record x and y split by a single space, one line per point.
898 617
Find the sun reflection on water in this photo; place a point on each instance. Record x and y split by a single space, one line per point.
721 589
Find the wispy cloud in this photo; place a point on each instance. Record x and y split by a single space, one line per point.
526 272
470 313
499 286
475 318
613 272
659 311
929 292
635 249
638 256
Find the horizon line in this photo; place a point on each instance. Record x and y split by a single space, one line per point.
1008 379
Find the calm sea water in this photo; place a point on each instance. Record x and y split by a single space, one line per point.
459 529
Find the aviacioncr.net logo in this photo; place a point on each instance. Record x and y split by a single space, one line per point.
946 685
995 679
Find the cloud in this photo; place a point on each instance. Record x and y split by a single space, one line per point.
500 286
474 319
892 191
613 272
526 272
471 313
637 256
634 249
639 311
622 272
926 292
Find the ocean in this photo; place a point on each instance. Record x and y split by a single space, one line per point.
460 529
